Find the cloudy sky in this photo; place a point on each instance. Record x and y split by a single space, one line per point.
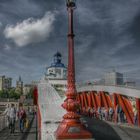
107 37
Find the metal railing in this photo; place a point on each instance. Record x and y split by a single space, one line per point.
92 84
3 122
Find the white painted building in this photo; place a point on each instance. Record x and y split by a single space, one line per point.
57 72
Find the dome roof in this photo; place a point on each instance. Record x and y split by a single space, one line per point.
57 61
57 65
58 54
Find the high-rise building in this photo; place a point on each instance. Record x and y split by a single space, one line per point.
5 82
19 85
114 78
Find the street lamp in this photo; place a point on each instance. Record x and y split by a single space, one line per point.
71 3
71 127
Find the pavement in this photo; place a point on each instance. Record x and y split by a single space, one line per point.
103 130
28 134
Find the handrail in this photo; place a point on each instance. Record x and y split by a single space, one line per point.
111 90
3 122
123 86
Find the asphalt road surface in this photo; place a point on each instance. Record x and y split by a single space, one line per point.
103 130
28 134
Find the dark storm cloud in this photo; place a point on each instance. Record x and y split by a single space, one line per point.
112 42
107 37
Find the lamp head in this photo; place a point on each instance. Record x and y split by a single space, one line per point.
71 3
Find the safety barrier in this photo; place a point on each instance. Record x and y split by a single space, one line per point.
94 99
3 122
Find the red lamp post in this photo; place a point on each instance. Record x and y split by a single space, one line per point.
71 127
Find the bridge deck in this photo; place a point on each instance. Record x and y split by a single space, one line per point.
103 130
29 133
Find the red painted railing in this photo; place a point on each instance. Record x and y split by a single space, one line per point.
90 99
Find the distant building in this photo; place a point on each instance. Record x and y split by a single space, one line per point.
130 83
27 89
34 83
19 85
99 82
57 72
113 78
5 83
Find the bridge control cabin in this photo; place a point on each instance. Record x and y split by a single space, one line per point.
56 73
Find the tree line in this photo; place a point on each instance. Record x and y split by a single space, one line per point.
13 94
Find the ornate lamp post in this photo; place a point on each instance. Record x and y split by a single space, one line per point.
71 127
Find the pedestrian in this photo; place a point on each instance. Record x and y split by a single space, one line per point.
89 111
31 111
121 114
118 113
22 118
7 113
135 114
106 114
94 112
111 111
122 117
117 117
12 117
99 113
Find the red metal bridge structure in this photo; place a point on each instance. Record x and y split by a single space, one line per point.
110 96
95 96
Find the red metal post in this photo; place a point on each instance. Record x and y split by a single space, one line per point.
100 99
108 97
115 100
71 127
39 122
82 100
89 100
125 106
93 98
103 95
35 96
115 105
85 99
138 110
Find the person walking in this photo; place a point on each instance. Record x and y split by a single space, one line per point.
99 113
22 118
117 116
135 115
118 110
7 113
12 118
111 111
106 114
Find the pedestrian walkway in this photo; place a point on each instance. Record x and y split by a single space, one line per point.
103 130
29 133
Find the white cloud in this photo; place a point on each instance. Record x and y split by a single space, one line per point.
31 30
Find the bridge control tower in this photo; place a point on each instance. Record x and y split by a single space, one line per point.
56 74
57 70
